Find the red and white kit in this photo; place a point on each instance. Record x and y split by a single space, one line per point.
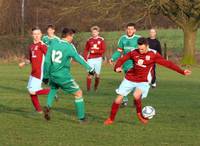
93 53
140 75
36 56
143 64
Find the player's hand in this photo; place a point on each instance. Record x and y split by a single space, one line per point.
119 69
111 62
187 72
92 72
21 64
45 81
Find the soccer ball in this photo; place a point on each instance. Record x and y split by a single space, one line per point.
148 112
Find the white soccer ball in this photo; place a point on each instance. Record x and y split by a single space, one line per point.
148 112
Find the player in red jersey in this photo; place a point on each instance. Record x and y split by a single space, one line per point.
93 53
137 79
37 51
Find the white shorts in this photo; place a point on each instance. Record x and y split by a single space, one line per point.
127 86
34 84
95 63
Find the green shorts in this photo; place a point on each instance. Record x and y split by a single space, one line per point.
69 86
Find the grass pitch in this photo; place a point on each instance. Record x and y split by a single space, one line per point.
176 100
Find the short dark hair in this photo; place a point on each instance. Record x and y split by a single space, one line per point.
130 24
143 41
51 26
35 28
67 31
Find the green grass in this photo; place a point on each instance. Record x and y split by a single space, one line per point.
12 45
176 123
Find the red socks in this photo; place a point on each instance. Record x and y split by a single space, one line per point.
43 92
114 110
35 101
97 79
138 104
89 81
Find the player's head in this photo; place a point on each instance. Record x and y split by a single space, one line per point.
68 34
36 34
130 29
152 33
50 30
95 31
143 45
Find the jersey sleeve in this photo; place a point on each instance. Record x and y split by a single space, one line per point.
121 61
117 54
160 60
47 63
79 59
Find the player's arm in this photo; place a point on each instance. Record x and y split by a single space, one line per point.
26 60
168 64
121 61
159 48
81 60
118 52
86 50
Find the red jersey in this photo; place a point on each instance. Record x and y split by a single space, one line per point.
94 48
143 64
36 56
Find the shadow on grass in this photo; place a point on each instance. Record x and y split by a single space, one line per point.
92 118
19 111
12 89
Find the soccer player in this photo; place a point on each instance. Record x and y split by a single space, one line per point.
47 39
137 79
57 71
126 44
37 51
93 53
154 44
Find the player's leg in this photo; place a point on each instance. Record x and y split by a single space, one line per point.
79 105
98 65
34 85
72 87
89 77
89 82
124 89
140 92
114 109
153 82
125 98
124 102
43 91
50 100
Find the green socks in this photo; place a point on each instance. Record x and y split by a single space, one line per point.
125 99
80 108
51 97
